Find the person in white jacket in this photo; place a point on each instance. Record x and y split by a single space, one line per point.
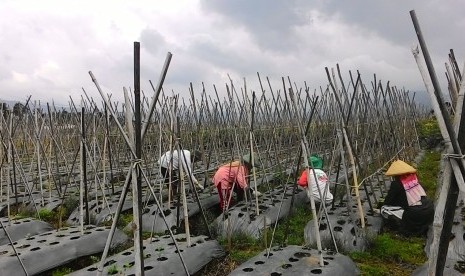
319 188
169 165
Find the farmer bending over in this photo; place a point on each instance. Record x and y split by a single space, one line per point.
316 169
406 207
232 176
172 158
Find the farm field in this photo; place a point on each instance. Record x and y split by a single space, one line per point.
137 187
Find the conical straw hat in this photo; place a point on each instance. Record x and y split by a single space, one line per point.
399 167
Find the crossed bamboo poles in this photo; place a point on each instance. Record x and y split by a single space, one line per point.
53 144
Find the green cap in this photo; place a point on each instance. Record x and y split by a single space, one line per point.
315 162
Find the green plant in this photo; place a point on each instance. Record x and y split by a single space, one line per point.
46 214
300 217
70 204
62 271
94 259
241 247
429 133
392 247
146 234
427 172
428 127
390 254
112 270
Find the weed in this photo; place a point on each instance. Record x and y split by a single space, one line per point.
146 234
112 270
124 219
62 271
94 259
241 247
428 127
428 171
20 211
390 254
46 214
70 203
393 247
429 133
295 235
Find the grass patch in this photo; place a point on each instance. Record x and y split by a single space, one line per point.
62 271
428 171
124 219
391 254
300 217
242 247
46 214
428 127
389 246
429 133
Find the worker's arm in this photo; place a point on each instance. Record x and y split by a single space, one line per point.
241 176
187 165
303 179
394 192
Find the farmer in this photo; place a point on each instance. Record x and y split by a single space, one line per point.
173 158
232 176
320 190
406 207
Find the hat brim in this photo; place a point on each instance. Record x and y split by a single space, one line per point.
399 167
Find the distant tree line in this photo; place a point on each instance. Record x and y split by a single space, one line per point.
18 109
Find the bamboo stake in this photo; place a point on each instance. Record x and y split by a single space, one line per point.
452 196
307 167
252 151
136 174
38 157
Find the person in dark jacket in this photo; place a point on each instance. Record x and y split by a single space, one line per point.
406 207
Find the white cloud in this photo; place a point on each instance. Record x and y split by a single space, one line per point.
20 78
48 49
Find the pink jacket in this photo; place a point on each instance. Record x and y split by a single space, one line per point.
229 173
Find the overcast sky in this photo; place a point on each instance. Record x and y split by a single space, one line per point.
48 47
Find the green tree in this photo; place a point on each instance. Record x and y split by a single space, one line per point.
19 109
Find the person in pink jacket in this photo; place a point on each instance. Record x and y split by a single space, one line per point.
232 176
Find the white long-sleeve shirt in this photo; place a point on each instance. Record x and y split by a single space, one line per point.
165 160
320 185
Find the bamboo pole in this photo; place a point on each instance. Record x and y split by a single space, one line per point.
304 146
450 205
136 174
37 132
252 157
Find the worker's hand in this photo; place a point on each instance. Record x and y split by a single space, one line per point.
256 193
197 184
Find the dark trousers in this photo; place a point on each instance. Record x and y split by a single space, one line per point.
165 172
225 194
